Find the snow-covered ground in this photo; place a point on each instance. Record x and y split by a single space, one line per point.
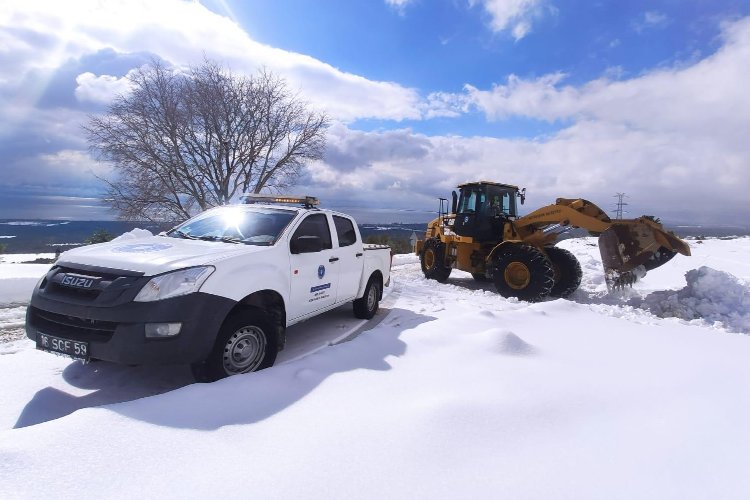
455 392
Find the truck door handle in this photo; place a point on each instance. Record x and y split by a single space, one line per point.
333 259
359 255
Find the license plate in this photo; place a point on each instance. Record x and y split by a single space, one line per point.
73 348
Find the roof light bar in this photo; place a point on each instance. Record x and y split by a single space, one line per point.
306 201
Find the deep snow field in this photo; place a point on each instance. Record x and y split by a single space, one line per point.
450 392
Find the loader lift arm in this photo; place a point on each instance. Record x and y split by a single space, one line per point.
629 247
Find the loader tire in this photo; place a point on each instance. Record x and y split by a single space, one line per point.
567 272
523 272
433 260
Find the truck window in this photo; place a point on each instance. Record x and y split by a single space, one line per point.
345 231
315 225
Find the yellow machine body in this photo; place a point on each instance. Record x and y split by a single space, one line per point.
629 247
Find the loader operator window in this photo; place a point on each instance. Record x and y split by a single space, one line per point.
499 205
472 203
501 202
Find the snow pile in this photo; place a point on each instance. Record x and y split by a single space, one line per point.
711 295
135 234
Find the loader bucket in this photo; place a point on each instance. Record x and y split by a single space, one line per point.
631 248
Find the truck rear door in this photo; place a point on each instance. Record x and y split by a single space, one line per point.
351 258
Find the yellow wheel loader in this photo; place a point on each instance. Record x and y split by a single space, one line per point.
484 236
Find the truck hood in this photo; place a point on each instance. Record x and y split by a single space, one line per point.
155 254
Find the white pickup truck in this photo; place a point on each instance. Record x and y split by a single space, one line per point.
216 292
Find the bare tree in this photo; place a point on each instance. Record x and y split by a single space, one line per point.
185 142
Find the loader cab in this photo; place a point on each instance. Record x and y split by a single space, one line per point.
483 208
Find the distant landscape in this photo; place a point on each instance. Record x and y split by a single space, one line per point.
47 236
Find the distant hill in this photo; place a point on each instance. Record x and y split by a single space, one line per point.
45 236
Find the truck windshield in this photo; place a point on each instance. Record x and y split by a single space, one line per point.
250 226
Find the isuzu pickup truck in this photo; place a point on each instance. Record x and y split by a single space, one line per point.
216 292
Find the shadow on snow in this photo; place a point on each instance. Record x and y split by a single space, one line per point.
235 400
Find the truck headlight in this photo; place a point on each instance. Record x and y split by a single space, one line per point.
174 284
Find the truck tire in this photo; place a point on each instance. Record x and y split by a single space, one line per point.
523 272
433 260
246 343
367 306
567 272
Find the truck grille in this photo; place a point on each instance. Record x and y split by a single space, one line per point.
71 326
94 286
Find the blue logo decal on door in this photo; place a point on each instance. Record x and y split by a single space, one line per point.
320 287
321 271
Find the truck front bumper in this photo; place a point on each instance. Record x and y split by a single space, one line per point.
118 333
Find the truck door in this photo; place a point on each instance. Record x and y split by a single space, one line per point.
314 267
351 258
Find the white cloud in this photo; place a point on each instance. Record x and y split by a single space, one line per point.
653 17
100 89
709 96
445 104
539 98
681 179
675 140
72 162
41 36
513 15
650 19
61 171
398 5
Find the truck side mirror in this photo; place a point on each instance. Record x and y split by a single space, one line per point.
305 244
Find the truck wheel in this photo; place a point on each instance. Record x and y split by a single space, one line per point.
246 343
522 271
567 271
433 261
367 306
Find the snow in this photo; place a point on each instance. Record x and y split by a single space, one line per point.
18 258
134 235
710 295
17 281
451 392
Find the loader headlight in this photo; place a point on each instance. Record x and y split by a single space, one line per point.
174 284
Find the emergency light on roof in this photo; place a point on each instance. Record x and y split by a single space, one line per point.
306 201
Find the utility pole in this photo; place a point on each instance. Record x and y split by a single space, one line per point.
620 203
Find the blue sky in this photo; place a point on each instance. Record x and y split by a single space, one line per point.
568 98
